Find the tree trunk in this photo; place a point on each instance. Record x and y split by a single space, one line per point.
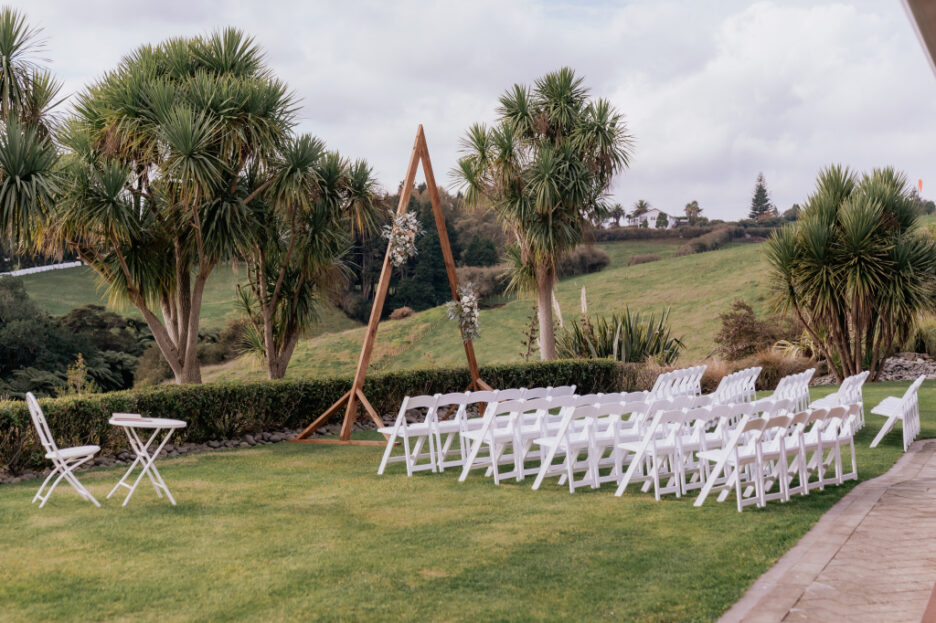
545 277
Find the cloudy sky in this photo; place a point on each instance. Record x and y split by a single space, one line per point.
713 92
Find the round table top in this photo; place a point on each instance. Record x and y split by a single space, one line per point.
121 419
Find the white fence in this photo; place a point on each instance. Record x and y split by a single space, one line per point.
42 269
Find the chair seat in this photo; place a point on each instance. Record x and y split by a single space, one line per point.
832 400
888 407
74 453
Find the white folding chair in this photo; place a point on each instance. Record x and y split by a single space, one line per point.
736 466
407 432
64 460
905 409
849 393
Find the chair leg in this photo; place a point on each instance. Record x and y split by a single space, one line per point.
44 483
888 426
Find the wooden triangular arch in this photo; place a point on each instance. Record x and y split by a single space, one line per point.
355 396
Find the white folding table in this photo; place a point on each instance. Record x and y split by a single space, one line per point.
132 424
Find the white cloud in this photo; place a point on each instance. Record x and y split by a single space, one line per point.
714 93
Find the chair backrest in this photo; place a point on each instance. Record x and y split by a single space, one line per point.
914 387
534 393
509 394
588 399
562 390
488 396
453 399
42 426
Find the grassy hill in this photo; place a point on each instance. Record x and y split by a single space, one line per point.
696 287
60 291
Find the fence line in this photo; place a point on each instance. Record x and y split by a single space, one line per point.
42 269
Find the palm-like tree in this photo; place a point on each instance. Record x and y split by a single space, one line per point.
303 227
28 93
641 207
855 268
545 167
166 155
693 211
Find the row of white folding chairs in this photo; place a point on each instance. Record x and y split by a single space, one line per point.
738 386
428 444
674 452
517 424
849 393
772 451
684 382
795 387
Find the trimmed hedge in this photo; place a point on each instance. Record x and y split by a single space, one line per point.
228 410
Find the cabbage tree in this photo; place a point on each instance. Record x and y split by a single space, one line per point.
545 167
855 268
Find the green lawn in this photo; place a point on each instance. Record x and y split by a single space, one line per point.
60 291
696 287
296 533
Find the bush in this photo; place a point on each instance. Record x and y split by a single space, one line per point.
583 260
629 337
775 367
613 234
643 259
715 239
742 333
401 312
923 337
488 281
227 410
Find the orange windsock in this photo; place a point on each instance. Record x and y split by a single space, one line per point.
920 185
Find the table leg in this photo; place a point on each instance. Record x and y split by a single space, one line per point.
147 461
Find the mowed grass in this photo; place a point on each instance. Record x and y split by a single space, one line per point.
696 288
297 532
60 291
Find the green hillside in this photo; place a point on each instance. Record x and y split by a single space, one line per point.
60 291
696 287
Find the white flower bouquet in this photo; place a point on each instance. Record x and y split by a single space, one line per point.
402 232
465 311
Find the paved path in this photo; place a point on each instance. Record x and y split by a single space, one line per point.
872 557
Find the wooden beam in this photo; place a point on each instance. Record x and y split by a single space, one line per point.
380 296
419 154
371 411
444 241
314 426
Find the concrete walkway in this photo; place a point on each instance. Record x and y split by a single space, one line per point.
872 557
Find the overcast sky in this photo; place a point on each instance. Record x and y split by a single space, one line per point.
713 92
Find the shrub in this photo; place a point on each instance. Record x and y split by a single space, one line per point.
775 367
629 337
742 333
401 312
488 281
644 258
226 410
715 239
613 234
583 260
923 336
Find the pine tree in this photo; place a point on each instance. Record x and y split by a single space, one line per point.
760 202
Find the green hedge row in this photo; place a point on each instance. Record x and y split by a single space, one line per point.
228 410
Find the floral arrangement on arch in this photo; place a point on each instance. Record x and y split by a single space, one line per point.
465 311
402 232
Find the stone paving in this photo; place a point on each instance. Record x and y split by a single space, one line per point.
872 557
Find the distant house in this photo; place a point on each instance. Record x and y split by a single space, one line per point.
650 218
